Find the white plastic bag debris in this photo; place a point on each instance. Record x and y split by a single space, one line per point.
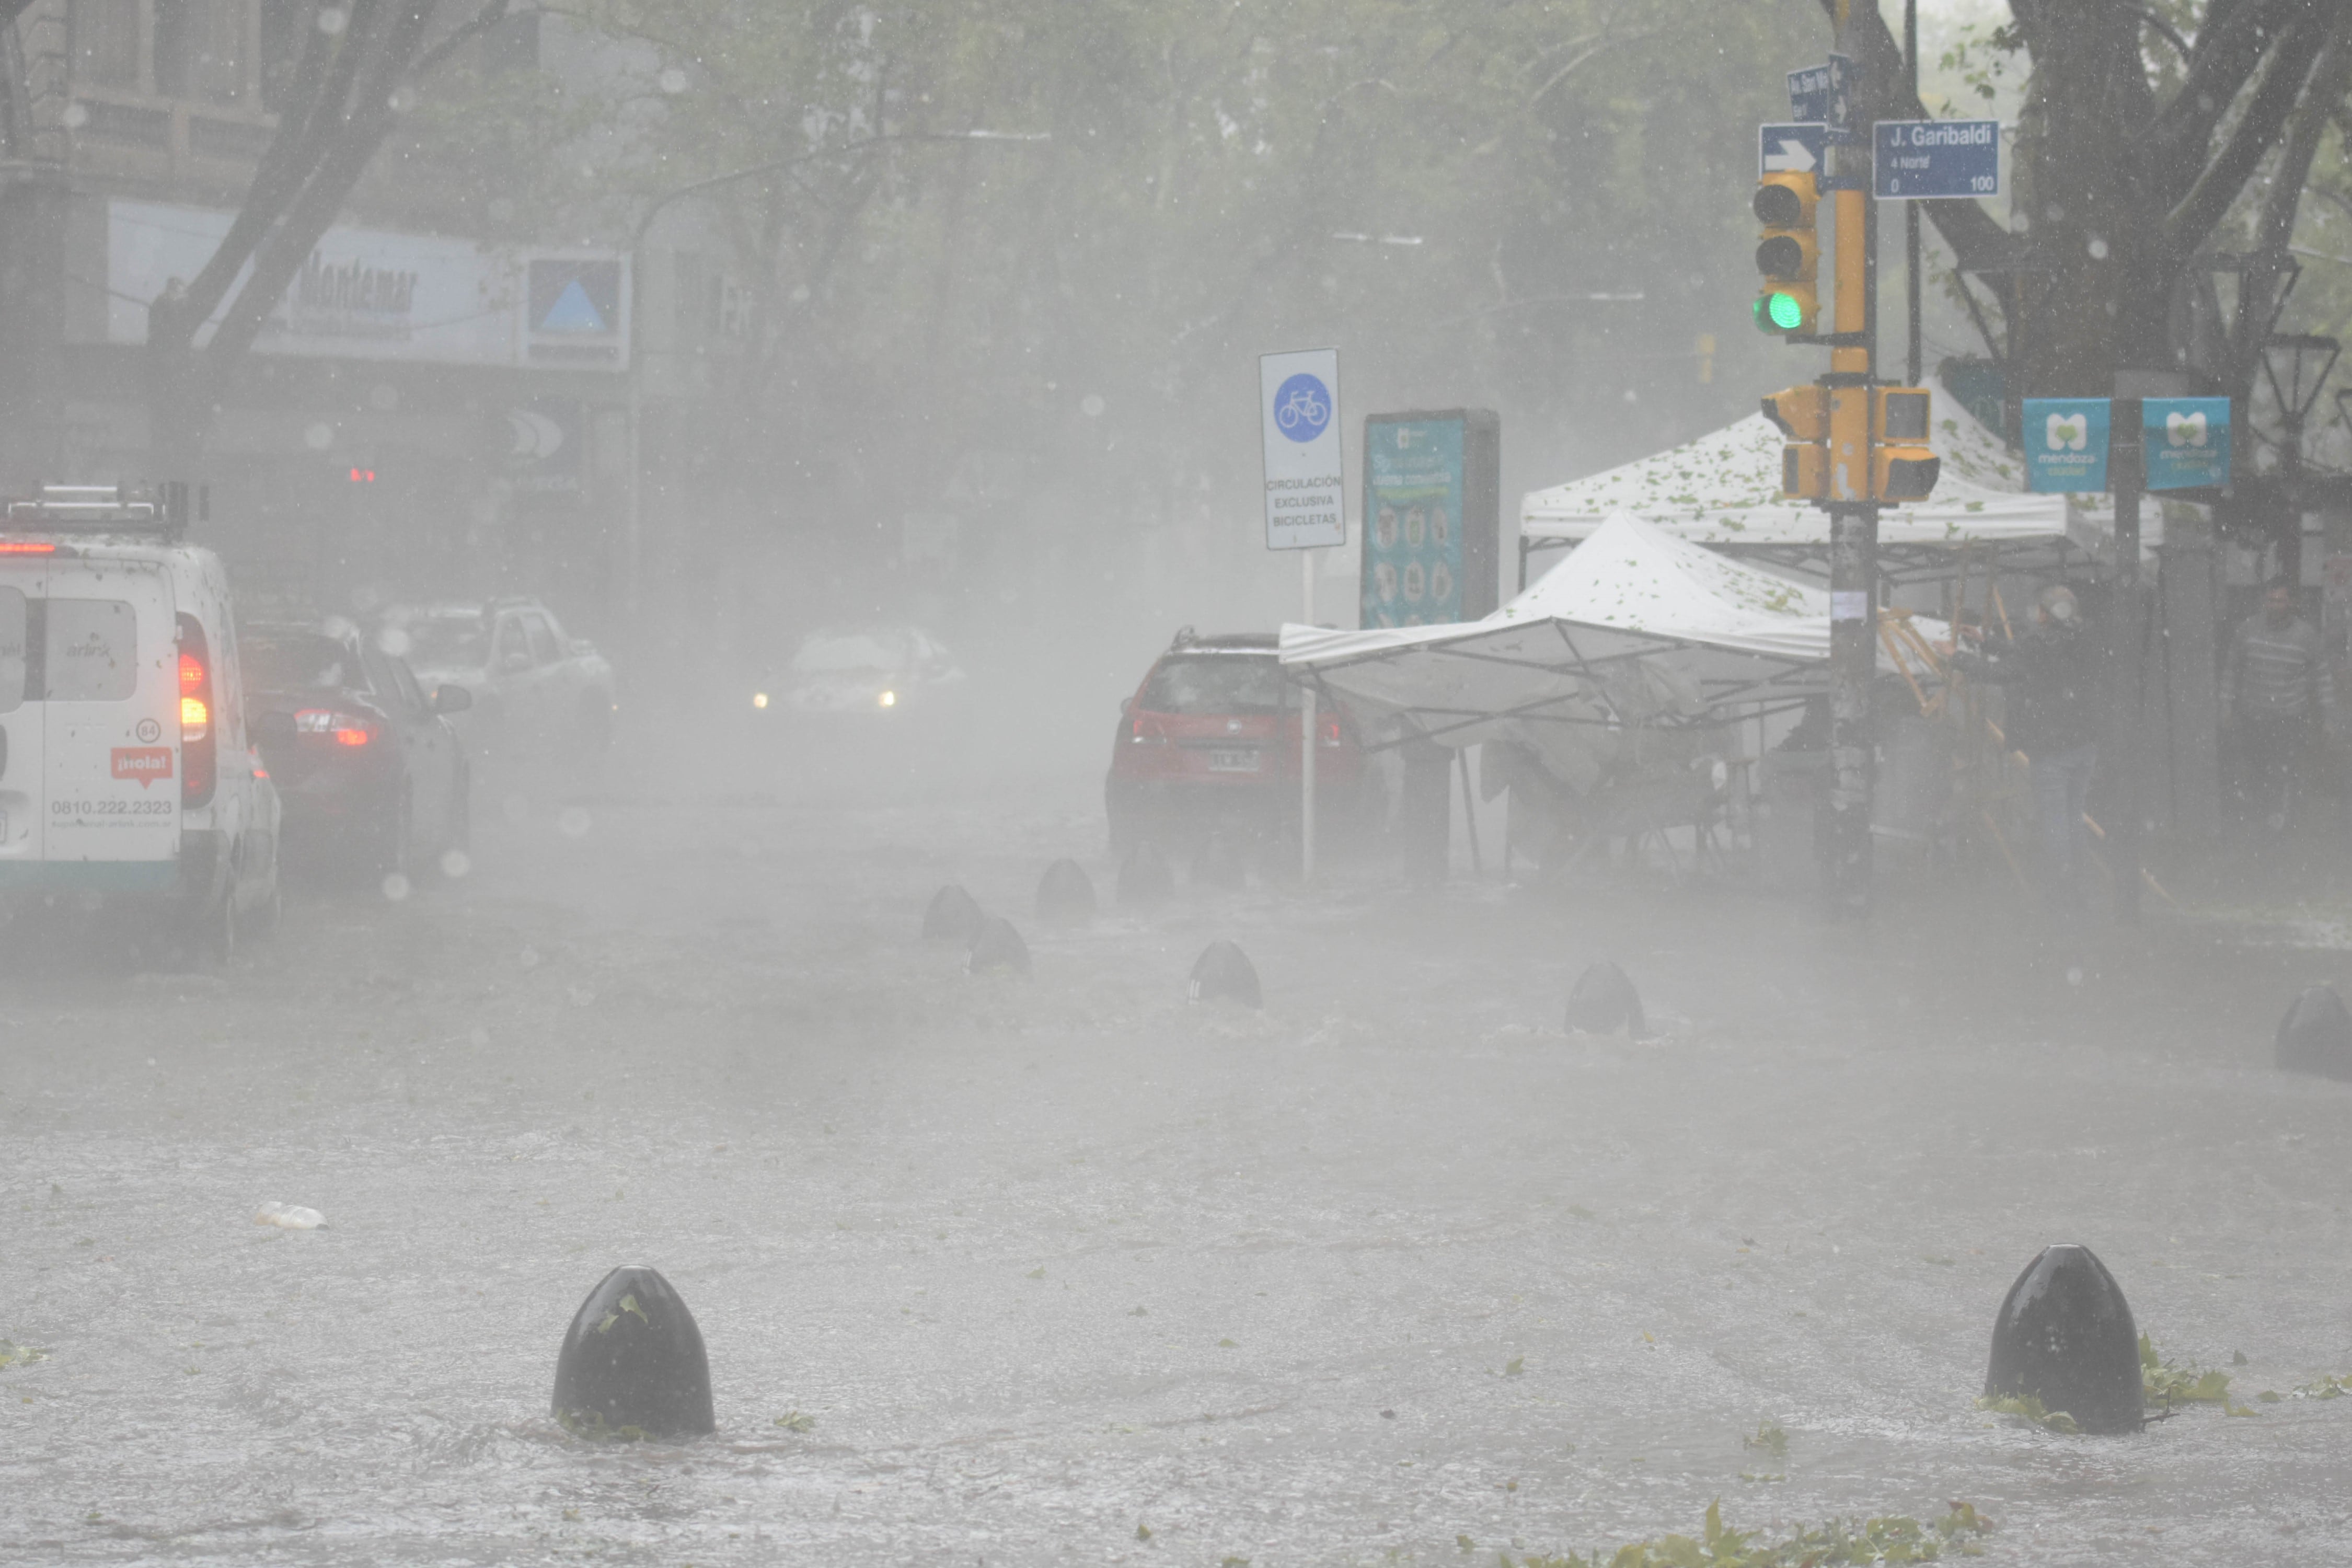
289 1216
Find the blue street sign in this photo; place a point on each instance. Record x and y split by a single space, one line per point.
1928 159
2187 440
2065 444
1843 78
1823 94
1790 149
1809 95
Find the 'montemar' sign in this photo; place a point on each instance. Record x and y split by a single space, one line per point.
1299 408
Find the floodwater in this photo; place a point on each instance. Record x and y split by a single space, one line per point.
1065 1270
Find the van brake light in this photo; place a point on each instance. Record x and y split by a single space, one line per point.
26 547
198 758
196 713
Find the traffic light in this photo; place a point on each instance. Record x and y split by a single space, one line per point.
1788 253
1903 467
1802 415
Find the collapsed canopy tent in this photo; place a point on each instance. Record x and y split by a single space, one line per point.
1636 627
1723 490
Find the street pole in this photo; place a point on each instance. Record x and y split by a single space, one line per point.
1306 730
1911 209
2125 643
1853 532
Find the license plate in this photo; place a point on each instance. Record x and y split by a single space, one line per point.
1243 762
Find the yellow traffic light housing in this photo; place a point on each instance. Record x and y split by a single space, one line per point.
1802 413
1805 471
1903 467
1787 252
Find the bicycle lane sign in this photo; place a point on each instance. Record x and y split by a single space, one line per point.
1298 415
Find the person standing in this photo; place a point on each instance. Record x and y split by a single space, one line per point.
2275 690
2052 674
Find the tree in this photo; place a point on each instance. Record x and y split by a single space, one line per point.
349 84
2151 134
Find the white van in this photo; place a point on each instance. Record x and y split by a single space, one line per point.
126 776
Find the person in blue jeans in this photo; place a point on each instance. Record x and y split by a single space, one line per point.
2051 676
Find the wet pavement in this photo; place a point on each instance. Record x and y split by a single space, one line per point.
1067 1270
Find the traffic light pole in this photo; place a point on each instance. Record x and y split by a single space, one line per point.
1854 535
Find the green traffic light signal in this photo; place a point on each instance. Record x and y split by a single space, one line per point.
1778 312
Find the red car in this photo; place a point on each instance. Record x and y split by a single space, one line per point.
1210 740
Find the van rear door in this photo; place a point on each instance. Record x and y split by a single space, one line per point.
22 801
110 669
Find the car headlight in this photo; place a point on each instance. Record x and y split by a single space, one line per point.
888 700
759 699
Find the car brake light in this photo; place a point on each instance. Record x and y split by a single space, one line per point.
343 728
1330 728
26 547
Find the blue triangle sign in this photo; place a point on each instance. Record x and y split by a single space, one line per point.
572 311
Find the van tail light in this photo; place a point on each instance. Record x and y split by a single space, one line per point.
342 729
1330 728
199 750
1137 735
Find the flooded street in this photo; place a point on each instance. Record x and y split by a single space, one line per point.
1066 1269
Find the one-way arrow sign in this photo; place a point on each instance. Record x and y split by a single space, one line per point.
1790 149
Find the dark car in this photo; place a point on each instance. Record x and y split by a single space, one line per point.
372 775
1209 740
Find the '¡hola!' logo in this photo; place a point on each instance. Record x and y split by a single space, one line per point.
2069 432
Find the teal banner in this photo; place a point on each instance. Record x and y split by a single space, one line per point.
2187 440
1413 521
2066 443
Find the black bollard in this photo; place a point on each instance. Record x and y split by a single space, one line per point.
999 948
1603 1001
633 1363
1065 895
2316 1036
954 916
2066 1337
1217 864
1224 973
1144 879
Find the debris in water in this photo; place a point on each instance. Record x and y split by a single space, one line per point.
289 1216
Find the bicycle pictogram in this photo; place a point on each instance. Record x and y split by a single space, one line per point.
1302 407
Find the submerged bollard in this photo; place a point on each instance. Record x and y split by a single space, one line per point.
1066 894
1603 1001
633 1363
1216 864
2316 1036
2066 1337
998 947
1224 973
1144 878
954 916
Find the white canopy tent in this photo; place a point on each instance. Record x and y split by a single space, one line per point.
1722 491
1634 626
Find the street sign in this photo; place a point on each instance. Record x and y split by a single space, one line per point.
2187 440
1823 94
1298 417
1843 78
1790 149
1809 94
1933 159
2066 444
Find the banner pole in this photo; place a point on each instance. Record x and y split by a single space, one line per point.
1306 730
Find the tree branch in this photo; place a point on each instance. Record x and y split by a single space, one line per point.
2258 128
1976 238
492 13
2230 48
